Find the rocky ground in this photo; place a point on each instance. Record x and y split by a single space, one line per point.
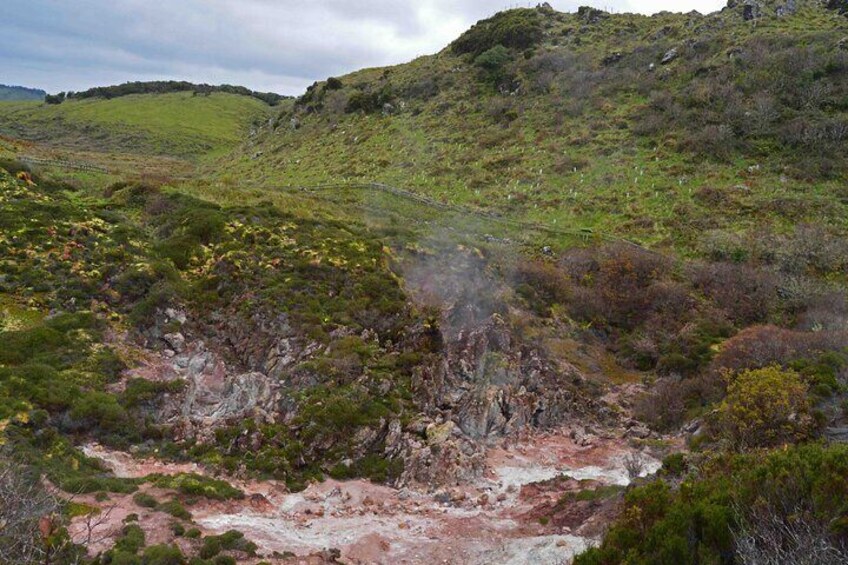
518 510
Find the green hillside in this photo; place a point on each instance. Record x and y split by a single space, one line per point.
176 124
662 128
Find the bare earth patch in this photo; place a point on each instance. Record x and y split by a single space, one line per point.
500 518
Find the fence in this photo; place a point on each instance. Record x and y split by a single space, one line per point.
78 165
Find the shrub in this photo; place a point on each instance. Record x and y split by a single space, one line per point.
663 407
674 465
493 63
99 411
748 295
175 509
193 484
517 29
765 407
760 346
697 523
211 547
131 540
334 83
163 555
370 101
145 500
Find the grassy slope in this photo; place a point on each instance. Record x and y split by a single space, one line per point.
179 125
568 155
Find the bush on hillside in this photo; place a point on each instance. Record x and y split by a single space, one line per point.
370 101
493 63
517 29
763 408
705 519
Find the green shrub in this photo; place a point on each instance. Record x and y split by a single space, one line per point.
674 465
493 63
20 347
131 540
517 29
697 522
370 101
233 540
175 509
211 547
765 407
334 83
84 485
163 555
193 484
139 392
99 411
145 500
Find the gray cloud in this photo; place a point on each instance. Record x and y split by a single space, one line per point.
279 45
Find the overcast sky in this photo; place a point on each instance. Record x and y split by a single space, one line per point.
274 45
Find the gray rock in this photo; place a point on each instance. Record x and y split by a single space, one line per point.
176 341
751 10
787 9
175 315
669 56
212 398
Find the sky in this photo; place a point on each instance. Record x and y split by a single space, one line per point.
268 45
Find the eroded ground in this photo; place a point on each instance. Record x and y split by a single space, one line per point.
539 501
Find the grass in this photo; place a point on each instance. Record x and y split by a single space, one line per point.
179 124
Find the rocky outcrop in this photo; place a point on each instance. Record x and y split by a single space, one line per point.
215 394
264 343
491 384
